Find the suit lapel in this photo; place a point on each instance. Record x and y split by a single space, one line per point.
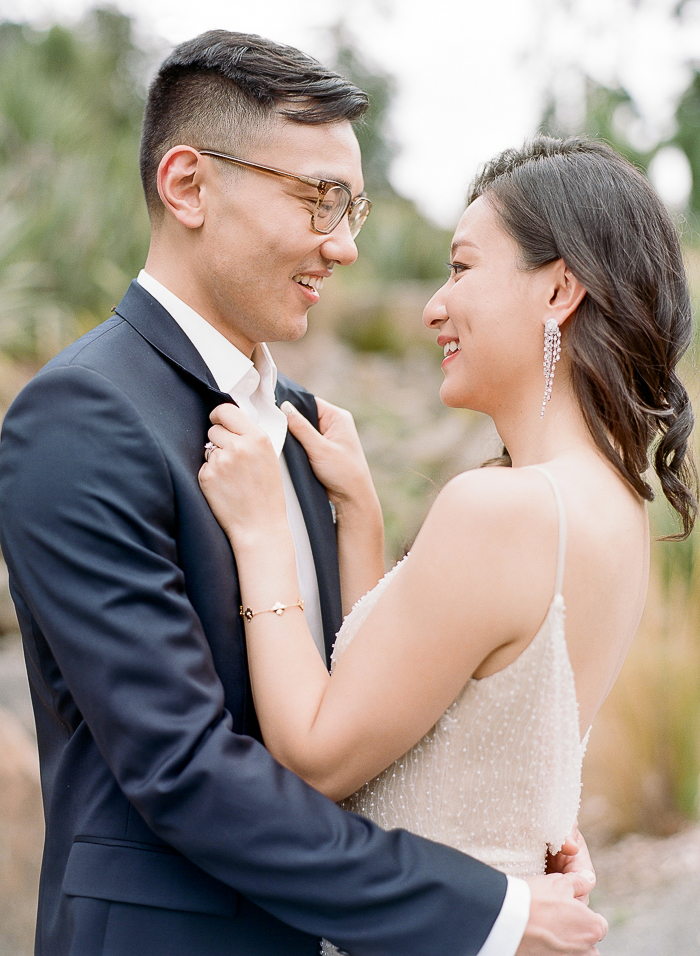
318 518
148 317
159 328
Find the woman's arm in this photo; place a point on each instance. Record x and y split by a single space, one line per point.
444 612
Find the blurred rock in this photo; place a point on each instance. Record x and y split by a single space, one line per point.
648 889
14 687
8 619
13 378
21 836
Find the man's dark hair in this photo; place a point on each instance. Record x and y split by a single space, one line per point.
222 90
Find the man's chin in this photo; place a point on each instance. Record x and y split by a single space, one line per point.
292 331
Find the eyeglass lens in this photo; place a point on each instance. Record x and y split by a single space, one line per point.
333 206
358 215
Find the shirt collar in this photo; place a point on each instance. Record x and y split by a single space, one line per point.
229 366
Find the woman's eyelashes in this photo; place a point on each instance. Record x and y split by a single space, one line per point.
456 268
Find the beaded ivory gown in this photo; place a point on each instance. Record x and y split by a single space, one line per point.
499 775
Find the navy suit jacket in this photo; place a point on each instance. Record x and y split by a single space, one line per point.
170 830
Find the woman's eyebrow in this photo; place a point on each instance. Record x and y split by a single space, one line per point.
458 243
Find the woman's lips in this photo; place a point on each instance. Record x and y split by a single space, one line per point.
450 358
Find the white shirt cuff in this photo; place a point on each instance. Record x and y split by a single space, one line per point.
507 932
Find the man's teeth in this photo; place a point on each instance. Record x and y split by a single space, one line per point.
316 282
452 347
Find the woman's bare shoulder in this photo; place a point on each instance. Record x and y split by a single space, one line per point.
511 497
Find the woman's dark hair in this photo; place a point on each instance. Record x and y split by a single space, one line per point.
578 200
222 89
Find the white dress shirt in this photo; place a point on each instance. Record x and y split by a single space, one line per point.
251 384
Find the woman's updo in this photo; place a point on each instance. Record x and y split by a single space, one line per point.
580 201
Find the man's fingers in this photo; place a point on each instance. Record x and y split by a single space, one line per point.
603 926
581 883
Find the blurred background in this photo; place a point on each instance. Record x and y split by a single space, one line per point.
449 88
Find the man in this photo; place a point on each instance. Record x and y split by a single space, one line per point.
170 831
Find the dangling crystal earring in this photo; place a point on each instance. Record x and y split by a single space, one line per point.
552 354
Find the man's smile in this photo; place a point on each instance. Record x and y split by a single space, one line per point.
311 283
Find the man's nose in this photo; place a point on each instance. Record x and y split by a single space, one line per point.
435 312
339 246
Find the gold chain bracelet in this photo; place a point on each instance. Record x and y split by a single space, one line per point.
248 613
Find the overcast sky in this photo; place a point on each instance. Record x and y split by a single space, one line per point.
471 74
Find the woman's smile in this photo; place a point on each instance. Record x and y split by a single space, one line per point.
451 349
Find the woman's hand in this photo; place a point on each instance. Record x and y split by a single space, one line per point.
340 465
334 451
242 480
574 857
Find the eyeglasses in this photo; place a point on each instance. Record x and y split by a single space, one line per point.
334 199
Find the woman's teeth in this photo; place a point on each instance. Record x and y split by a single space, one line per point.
316 282
452 347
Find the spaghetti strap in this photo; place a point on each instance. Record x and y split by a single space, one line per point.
561 555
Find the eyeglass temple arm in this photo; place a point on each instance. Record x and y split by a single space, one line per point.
321 184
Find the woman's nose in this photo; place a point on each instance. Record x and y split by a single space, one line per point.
435 313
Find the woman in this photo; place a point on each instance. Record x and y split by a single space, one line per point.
457 706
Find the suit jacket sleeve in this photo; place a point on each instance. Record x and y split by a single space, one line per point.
88 514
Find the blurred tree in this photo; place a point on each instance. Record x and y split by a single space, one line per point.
610 114
74 227
374 134
398 244
404 244
688 136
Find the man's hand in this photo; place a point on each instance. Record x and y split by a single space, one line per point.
560 923
572 858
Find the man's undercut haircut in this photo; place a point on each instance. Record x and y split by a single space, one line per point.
223 91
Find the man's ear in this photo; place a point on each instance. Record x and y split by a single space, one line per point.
180 185
566 294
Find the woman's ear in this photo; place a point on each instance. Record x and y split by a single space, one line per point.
566 294
180 185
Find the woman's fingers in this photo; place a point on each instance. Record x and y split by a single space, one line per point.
230 425
221 436
569 847
301 428
338 421
232 418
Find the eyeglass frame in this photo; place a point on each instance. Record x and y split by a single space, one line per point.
322 185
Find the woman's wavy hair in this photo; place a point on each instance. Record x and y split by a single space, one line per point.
578 200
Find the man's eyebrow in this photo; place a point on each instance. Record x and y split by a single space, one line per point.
461 242
343 182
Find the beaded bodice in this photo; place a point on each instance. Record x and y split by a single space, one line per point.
499 775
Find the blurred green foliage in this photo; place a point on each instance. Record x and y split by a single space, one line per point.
73 227
609 112
398 244
688 135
